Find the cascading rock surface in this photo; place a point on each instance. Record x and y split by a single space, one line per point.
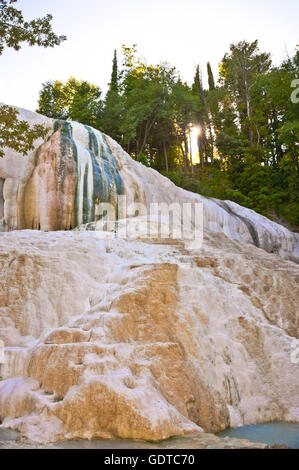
146 338
61 184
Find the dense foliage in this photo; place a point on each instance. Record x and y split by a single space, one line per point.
248 127
75 100
17 134
14 31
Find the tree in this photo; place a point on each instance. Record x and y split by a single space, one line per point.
86 106
237 72
202 118
146 100
76 100
210 77
112 113
114 75
248 120
16 134
53 100
14 31
185 108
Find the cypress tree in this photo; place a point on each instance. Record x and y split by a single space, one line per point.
112 108
114 75
211 77
197 84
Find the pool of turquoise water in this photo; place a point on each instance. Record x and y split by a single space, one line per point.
270 433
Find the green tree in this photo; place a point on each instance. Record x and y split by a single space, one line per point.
210 77
185 110
17 134
146 100
201 116
14 31
114 76
112 113
237 73
75 100
53 100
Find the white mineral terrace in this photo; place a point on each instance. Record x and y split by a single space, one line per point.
136 338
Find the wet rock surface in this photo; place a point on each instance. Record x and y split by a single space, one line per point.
143 339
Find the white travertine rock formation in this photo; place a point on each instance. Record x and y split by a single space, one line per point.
144 339
60 185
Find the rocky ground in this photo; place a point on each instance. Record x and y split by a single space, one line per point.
12 440
144 339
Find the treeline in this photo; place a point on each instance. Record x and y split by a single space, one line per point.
248 126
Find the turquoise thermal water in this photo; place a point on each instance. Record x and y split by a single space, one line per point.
98 177
269 433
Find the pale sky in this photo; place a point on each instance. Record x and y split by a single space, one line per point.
182 32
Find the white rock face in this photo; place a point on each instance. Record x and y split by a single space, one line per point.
13 167
144 339
56 188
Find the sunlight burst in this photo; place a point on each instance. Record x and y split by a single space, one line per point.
194 133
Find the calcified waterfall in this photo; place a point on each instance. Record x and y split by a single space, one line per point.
80 173
98 178
61 185
140 339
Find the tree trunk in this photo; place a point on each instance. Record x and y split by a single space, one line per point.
201 152
191 156
179 147
165 156
211 142
248 109
186 149
184 156
148 126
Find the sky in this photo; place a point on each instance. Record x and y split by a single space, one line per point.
182 32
